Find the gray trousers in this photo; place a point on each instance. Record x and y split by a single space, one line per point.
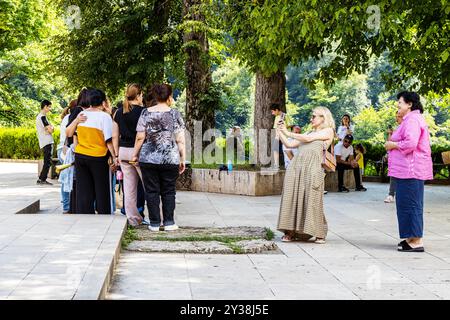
392 186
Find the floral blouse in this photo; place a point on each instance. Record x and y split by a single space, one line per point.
160 127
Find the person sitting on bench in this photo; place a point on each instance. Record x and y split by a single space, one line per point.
345 161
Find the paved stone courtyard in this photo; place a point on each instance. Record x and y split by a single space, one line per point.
359 261
39 252
50 255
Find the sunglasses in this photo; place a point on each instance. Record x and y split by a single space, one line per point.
315 116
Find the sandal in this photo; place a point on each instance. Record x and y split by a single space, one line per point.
405 247
287 238
320 241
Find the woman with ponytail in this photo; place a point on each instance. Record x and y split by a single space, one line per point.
127 118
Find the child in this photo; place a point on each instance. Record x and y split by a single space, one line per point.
360 151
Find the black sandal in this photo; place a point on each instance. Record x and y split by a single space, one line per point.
405 247
400 244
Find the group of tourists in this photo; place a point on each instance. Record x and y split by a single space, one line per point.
142 141
302 215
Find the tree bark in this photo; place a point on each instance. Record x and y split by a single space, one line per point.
198 74
269 90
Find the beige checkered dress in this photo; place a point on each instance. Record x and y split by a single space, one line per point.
301 208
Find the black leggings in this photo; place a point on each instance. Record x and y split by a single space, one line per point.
93 186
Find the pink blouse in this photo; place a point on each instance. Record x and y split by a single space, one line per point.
412 159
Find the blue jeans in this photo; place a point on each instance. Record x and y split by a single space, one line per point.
65 196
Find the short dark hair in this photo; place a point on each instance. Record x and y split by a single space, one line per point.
275 106
95 97
361 148
349 137
149 99
45 103
413 98
82 98
161 92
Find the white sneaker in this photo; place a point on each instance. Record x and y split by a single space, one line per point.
389 199
153 228
172 227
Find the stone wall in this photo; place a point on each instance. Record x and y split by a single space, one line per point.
251 183
331 180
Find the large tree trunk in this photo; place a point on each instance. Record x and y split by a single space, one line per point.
269 90
199 79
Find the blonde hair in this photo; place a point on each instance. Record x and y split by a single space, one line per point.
133 90
328 121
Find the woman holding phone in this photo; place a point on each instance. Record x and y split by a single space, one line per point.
301 211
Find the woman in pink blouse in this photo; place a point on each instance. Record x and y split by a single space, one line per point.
410 163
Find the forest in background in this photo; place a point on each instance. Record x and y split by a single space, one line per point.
44 56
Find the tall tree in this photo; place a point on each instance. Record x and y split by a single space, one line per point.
111 43
201 96
269 34
25 28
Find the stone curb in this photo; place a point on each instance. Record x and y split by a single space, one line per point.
19 160
33 206
99 275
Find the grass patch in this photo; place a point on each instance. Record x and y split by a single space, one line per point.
229 241
236 249
269 234
130 236
223 239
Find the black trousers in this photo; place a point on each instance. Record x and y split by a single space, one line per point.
160 182
341 168
93 187
47 162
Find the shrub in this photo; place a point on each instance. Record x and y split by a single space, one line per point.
22 143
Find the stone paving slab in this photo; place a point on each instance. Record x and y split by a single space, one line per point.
359 260
49 255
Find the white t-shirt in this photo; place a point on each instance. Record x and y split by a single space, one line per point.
62 132
342 131
44 137
340 150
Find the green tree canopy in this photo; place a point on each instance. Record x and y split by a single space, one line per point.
119 42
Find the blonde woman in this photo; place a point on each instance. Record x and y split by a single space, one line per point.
127 118
301 210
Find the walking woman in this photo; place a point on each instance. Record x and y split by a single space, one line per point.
94 132
301 211
127 117
160 148
410 164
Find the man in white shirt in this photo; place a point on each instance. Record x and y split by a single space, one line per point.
44 132
345 161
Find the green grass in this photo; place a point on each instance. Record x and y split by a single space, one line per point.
130 236
222 239
228 241
269 234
